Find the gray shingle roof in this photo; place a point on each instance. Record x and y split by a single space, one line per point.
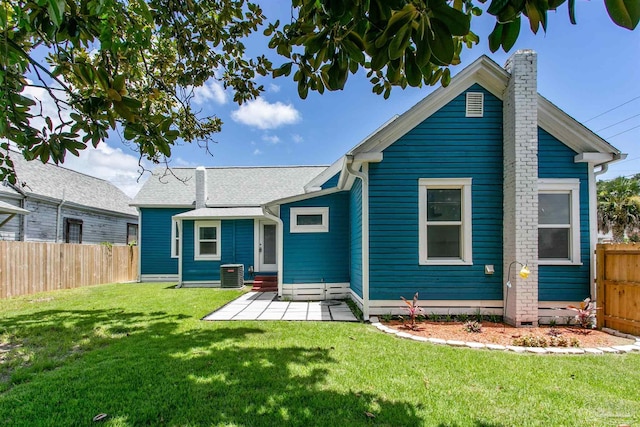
55 182
230 186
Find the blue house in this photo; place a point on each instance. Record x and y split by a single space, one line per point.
449 199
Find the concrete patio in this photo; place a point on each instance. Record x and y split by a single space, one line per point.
264 306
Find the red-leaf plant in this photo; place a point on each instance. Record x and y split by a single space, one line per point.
413 309
586 313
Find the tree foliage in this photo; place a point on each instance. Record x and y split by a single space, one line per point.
131 66
113 64
619 207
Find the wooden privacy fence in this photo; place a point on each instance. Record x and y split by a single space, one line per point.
618 287
30 267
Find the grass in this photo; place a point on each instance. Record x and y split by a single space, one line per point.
139 353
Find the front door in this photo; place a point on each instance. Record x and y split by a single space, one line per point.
267 248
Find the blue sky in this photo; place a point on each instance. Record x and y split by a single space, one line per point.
586 70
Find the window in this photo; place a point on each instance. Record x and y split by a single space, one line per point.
445 221
558 221
207 240
309 220
175 238
132 234
72 230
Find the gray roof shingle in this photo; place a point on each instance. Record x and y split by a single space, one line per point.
227 186
55 182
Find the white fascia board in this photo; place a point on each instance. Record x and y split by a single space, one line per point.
147 205
375 157
84 208
482 71
595 158
569 131
305 196
324 176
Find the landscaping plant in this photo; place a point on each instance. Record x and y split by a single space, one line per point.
413 309
472 326
586 313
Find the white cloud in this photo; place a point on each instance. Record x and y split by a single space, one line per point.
263 115
209 91
297 138
274 88
273 139
257 152
111 164
180 162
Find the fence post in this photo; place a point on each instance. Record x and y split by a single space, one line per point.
600 278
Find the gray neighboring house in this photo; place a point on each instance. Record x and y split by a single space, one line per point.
64 206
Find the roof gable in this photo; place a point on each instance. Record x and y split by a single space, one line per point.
494 79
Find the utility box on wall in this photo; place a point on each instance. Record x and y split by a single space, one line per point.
232 276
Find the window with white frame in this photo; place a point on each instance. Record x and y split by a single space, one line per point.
175 238
445 221
207 240
309 220
558 221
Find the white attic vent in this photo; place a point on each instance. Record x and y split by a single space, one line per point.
475 104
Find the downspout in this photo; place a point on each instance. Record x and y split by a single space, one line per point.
365 230
279 244
139 242
58 218
593 223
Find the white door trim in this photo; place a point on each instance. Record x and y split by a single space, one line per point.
258 233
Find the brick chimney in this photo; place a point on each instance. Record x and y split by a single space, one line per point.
201 187
520 188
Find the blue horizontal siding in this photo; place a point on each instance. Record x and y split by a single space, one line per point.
355 225
237 247
445 145
331 182
155 241
565 282
318 257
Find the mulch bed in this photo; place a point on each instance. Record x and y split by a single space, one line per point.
500 333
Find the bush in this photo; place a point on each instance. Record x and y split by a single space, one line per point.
472 326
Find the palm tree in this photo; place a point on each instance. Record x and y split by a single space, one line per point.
619 206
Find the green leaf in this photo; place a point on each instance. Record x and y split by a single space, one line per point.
56 11
400 42
534 16
144 10
495 38
459 23
496 6
354 52
572 11
625 13
440 42
411 69
118 82
283 70
510 34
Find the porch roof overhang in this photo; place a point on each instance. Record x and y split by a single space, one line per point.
223 213
6 208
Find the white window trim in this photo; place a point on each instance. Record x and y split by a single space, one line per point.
466 245
196 240
174 223
323 228
569 186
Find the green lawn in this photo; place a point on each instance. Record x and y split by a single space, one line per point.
139 353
